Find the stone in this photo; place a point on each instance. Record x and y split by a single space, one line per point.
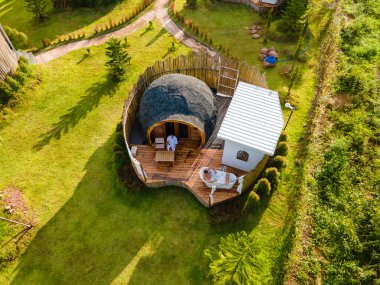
7 208
264 50
258 27
255 36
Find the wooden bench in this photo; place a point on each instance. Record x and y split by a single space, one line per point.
165 156
159 143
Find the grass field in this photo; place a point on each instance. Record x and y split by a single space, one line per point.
60 22
57 150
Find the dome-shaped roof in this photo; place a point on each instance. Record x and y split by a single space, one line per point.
180 98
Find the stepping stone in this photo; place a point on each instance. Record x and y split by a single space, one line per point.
255 36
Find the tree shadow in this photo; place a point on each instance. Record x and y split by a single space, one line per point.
98 236
156 37
77 113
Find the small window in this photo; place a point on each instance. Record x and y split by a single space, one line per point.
242 155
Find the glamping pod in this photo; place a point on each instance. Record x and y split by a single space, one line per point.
179 105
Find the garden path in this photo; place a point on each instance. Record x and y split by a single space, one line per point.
159 12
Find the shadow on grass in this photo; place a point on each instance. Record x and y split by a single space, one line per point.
101 233
77 113
156 37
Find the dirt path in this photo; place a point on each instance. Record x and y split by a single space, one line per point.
159 12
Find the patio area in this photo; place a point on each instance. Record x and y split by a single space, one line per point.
185 171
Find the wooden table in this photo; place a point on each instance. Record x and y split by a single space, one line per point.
165 156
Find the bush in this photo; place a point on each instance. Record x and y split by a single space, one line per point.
253 201
191 3
283 136
263 187
118 160
273 176
279 162
119 138
19 77
116 147
282 149
23 66
6 92
18 39
13 83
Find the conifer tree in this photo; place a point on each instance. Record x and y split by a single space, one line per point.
291 16
237 261
38 8
119 60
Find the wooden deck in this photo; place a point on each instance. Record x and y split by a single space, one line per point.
185 172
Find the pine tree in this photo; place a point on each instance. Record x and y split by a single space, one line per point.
38 8
291 16
237 261
119 60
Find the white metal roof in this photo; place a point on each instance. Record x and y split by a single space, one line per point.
254 118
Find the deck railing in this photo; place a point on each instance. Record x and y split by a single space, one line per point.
202 66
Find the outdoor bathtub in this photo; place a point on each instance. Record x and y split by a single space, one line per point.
221 181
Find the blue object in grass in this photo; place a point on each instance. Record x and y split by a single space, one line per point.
271 59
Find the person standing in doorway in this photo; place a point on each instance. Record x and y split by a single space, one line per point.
171 143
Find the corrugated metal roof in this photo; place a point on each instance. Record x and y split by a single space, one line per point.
254 118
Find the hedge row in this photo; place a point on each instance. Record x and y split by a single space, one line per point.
14 82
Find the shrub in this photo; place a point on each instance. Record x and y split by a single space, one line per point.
118 160
253 200
283 136
273 176
119 61
116 147
119 138
191 3
19 76
279 162
18 39
6 92
23 66
13 83
282 149
263 187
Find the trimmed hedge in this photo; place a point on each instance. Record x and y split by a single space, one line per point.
263 187
273 176
252 202
282 149
279 162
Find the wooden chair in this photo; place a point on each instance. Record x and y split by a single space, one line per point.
159 144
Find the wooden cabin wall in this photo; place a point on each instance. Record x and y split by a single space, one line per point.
8 58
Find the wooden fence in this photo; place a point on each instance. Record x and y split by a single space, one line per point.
8 57
202 66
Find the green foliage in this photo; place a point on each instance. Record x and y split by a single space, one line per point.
118 160
191 3
283 136
38 8
119 138
279 162
237 260
253 201
292 16
18 39
263 187
119 62
90 3
6 92
273 176
282 149
13 83
269 21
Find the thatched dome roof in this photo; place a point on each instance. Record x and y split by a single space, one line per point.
180 98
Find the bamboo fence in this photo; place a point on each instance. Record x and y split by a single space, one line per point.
200 65
8 57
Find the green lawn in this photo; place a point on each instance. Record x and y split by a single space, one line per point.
14 14
88 233
89 230
225 24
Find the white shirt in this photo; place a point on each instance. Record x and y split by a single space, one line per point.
171 142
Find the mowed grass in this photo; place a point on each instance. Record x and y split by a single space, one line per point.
90 230
226 24
60 22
